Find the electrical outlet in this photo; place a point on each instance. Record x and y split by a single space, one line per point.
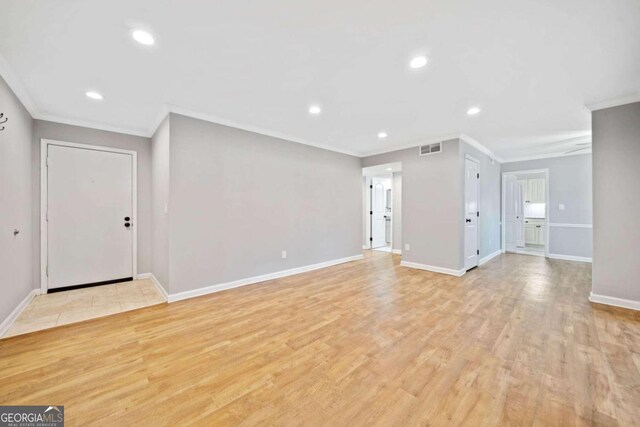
407 247
561 207
284 254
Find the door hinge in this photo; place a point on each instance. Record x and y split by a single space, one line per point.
478 176
47 270
47 161
371 186
371 239
46 216
370 212
478 251
477 213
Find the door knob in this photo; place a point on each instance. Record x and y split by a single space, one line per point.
126 218
468 220
126 224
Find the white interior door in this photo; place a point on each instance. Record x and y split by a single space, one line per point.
510 212
378 212
519 208
513 214
90 216
471 214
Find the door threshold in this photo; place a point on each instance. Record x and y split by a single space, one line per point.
89 285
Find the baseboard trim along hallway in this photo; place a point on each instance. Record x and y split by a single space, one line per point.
257 279
433 268
6 323
489 257
615 302
156 283
570 258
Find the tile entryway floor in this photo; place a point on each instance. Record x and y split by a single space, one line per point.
62 308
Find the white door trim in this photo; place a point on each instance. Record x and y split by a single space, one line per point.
546 206
44 255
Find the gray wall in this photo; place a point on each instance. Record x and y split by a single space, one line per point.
431 188
15 203
396 210
616 178
160 168
570 179
239 198
82 135
488 203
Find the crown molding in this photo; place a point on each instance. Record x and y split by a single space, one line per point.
613 102
16 85
477 145
461 136
409 145
168 108
545 156
89 124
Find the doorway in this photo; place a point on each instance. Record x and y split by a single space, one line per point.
525 212
88 215
381 207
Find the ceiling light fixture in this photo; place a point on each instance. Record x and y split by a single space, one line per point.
382 135
389 169
315 110
418 62
143 37
94 95
473 111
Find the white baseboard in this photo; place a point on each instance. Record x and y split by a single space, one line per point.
6 323
433 268
251 280
396 251
570 258
616 302
490 257
156 282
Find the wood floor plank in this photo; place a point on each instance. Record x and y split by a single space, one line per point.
514 342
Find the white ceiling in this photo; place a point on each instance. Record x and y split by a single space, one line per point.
531 65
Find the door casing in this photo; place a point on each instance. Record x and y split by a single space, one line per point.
546 207
44 225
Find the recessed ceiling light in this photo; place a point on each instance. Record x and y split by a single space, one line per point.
418 62
473 111
94 95
143 37
389 169
382 135
315 110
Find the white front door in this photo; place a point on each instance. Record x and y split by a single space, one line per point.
378 212
89 211
471 213
513 211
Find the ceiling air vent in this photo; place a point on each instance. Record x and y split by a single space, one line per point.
430 148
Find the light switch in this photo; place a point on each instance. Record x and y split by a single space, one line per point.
561 207
406 247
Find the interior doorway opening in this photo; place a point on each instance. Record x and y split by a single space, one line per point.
381 187
525 212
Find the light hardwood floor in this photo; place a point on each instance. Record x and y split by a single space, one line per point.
365 343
